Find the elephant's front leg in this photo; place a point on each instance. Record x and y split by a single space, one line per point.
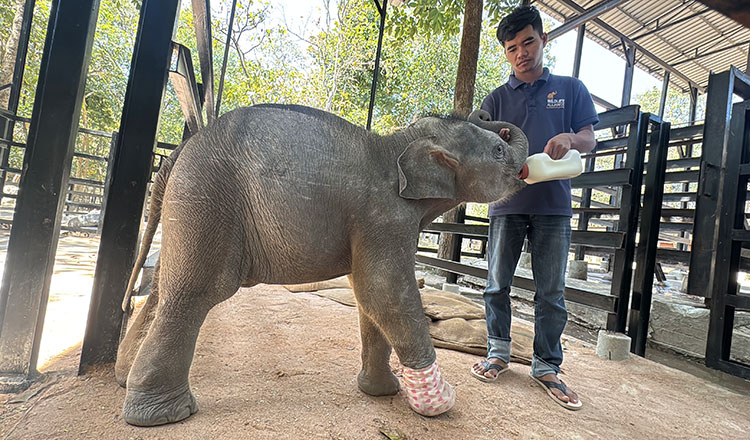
376 377
387 293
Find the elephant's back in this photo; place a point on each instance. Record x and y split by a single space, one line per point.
291 179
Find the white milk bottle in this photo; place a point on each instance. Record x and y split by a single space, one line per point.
541 168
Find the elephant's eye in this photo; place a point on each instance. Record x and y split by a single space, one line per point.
499 152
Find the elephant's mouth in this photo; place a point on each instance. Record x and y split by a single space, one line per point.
524 173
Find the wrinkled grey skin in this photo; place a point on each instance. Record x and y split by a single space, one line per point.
288 194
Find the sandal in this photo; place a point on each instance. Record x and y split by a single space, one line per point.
487 367
548 385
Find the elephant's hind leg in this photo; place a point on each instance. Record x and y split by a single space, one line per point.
137 332
158 391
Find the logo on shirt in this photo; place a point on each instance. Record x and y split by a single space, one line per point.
553 102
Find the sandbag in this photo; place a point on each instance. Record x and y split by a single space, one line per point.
455 322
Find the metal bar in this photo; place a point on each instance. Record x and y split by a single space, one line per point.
583 17
713 52
583 218
186 89
579 50
693 105
376 73
668 25
732 367
688 162
612 240
643 279
603 102
739 235
132 170
607 28
620 176
740 302
664 90
627 87
202 21
226 56
682 176
51 141
617 117
108 180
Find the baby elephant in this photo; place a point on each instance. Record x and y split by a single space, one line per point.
288 194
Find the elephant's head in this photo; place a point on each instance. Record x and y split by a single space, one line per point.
463 160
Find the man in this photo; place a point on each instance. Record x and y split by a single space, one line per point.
557 114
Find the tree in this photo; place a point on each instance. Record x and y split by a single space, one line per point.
450 244
9 47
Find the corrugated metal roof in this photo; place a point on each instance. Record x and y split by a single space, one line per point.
684 34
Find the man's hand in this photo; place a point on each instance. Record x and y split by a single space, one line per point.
559 145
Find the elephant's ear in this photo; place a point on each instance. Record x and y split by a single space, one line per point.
427 171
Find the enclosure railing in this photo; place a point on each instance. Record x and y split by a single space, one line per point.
85 195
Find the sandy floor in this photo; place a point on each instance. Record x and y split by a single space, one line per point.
289 372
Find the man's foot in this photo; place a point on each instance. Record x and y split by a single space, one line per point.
558 391
488 370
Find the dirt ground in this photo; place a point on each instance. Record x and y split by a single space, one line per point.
271 364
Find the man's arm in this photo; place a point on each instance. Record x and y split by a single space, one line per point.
583 141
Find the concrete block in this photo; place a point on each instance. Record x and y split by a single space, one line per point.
613 346
450 287
525 260
578 269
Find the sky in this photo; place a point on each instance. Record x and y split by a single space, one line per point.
605 83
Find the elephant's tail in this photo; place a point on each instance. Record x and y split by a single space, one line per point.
154 216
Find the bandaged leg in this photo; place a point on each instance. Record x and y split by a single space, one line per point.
427 392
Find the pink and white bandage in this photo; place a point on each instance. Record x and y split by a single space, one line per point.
427 392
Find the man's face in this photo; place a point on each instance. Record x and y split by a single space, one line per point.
526 50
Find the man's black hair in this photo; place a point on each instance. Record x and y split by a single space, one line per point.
514 22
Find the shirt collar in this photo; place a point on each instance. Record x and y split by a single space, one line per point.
516 83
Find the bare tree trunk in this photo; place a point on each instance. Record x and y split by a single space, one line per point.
8 53
450 244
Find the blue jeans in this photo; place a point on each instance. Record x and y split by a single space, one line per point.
549 236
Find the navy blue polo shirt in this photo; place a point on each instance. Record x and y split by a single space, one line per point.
553 105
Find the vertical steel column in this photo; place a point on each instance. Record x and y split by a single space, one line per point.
627 86
731 234
381 10
721 86
579 50
629 208
643 280
47 162
132 170
693 104
664 92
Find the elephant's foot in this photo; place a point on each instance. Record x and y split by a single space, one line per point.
384 384
151 409
427 392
